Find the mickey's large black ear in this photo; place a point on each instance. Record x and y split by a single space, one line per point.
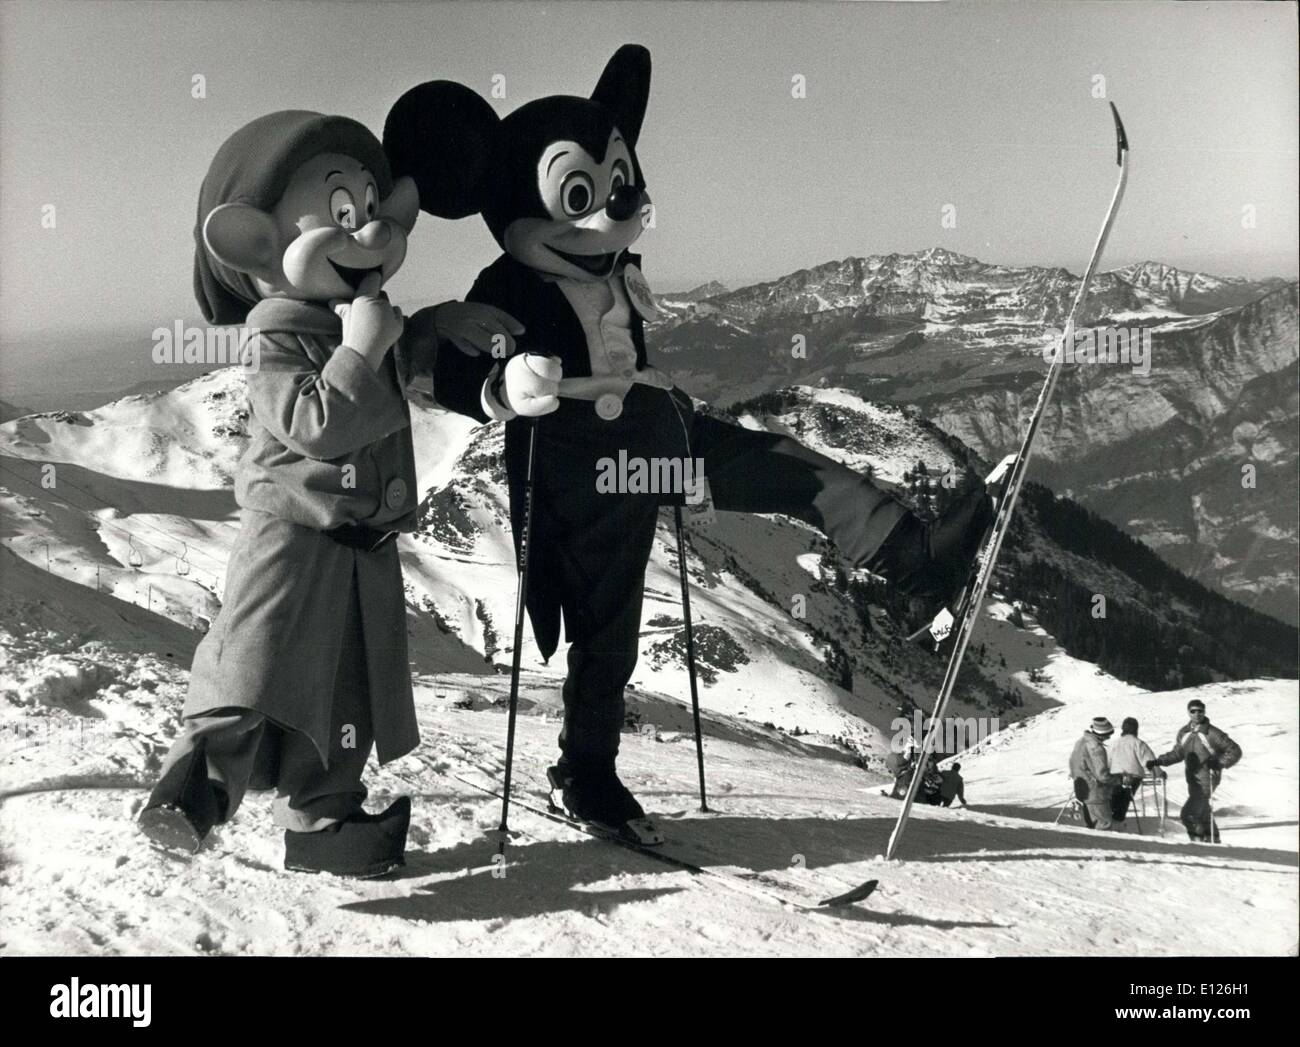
624 89
444 136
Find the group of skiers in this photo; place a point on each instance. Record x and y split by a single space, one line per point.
1105 782
937 788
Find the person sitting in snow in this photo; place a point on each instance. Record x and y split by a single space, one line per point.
305 668
1091 773
1205 752
952 787
931 790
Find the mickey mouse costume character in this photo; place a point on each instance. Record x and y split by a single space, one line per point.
305 667
560 186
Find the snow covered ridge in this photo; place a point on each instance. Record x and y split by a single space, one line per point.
941 282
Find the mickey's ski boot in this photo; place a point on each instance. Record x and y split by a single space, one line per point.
593 794
935 562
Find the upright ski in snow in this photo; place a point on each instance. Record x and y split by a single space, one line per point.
973 597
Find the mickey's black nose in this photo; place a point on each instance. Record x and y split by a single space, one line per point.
622 202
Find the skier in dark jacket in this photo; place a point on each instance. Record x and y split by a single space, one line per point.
953 787
1205 752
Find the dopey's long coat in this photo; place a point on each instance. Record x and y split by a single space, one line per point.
330 444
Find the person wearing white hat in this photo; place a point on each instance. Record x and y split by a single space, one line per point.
1090 770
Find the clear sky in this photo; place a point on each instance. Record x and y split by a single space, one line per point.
985 106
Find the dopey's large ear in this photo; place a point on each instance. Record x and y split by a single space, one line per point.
444 136
244 238
624 89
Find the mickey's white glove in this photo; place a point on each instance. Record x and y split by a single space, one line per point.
531 385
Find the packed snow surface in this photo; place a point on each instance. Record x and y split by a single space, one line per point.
85 725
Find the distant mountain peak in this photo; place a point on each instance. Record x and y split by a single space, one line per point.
946 257
698 294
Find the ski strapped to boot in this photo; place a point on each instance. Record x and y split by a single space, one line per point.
982 570
641 831
940 626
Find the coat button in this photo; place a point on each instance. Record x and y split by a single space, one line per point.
395 493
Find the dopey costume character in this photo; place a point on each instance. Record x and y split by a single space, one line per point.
561 188
305 667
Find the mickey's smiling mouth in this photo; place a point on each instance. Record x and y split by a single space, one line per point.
596 264
353 277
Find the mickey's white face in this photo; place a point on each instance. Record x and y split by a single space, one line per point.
595 212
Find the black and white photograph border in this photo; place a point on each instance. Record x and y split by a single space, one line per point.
658 479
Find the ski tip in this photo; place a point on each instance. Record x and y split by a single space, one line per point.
1121 137
856 895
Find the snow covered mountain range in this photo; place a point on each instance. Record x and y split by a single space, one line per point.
1157 448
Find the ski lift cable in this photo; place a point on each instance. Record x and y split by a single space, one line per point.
105 505
131 537
114 527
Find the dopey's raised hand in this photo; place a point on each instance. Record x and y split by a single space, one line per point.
370 324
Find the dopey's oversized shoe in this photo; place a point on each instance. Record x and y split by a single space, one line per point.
183 807
364 846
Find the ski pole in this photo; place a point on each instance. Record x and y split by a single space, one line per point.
988 555
690 649
521 609
1163 800
1214 829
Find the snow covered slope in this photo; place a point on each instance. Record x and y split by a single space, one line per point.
790 819
134 499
